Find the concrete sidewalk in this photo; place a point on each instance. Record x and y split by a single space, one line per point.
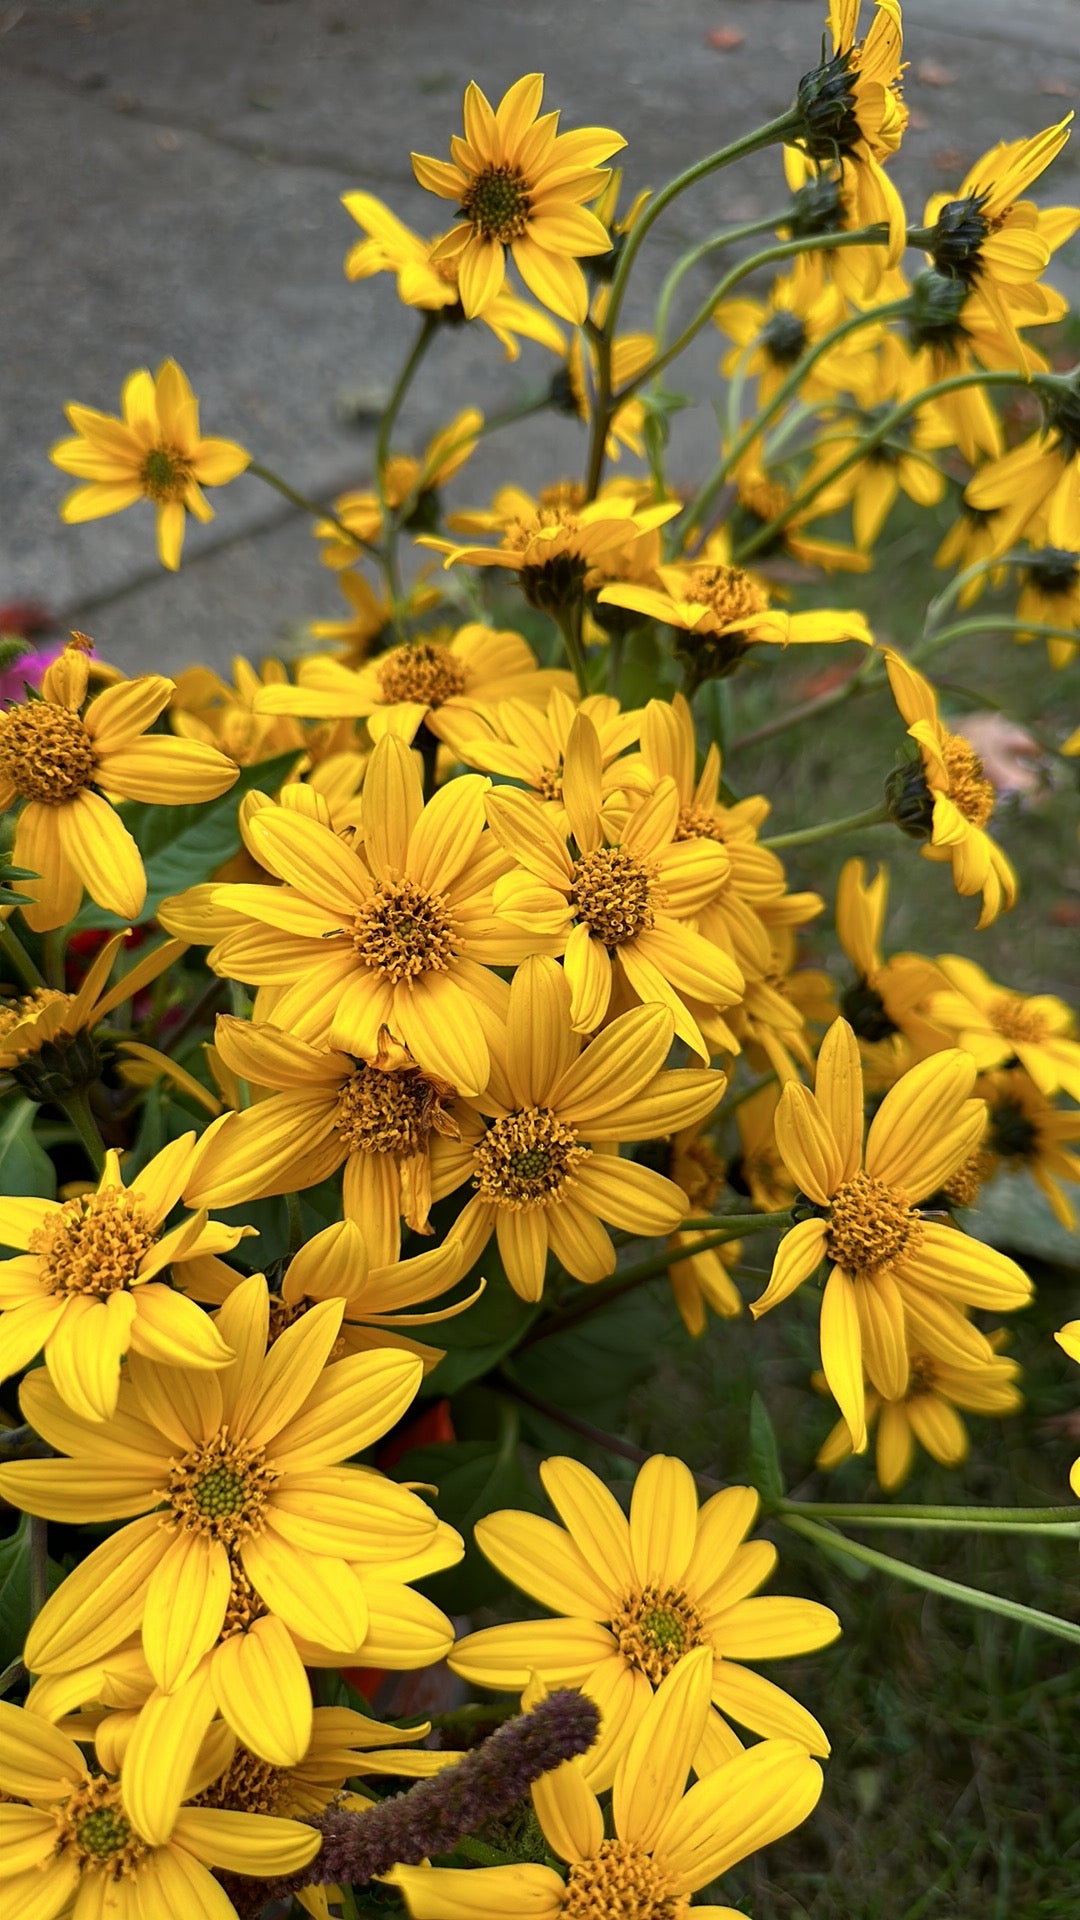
173 184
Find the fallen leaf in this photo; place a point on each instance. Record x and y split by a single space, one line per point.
827 681
933 75
917 121
1065 913
1063 88
1009 755
724 39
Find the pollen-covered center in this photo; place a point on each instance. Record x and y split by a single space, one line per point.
245 1605
498 204
731 595
549 785
221 1488
95 1244
94 1825
527 1159
17 1013
619 1882
424 672
249 1785
870 1225
613 893
1016 1019
45 752
166 474
655 1628
404 931
963 1186
969 788
698 1169
391 1112
698 823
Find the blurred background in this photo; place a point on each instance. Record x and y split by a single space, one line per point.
171 186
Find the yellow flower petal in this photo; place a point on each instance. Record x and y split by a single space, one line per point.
103 853
262 1691
161 1755
663 1521
314 1595
765 1708
539 1558
651 1776
841 1353
805 1140
569 1812
186 1599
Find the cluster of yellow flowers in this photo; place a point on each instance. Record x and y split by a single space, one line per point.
501 974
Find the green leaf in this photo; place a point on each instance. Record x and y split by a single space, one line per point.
184 846
25 1167
15 1590
473 1477
764 1470
592 1367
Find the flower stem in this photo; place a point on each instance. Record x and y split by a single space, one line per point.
13 950
860 682
317 511
39 1565
391 522
568 621
77 1107
835 1543
990 623
829 829
1063 1521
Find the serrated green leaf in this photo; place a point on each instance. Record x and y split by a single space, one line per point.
185 846
764 1471
25 1167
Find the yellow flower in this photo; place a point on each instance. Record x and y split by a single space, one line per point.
528 746
400 937
1050 591
851 109
630 355
1037 478
45 1036
546 1166
326 1110
700 1280
760 499
889 996
928 1413
996 1026
944 798
636 1597
519 184
73 1842
430 282
89 1286
902 464
1068 1338
156 452
770 336
53 755
205 707
987 235
370 617
256 1552
619 908
891 1268
666 1843
403 478
557 544
760 1168
397 692
1026 1131
726 611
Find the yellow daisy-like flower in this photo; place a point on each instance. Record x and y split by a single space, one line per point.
56 752
557 544
621 904
996 1026
700 1280
760 1170
528 746
665 1843
770 336
256 1552
431 283
987 234
73 1842
636 1596
1025 1131
760 499
403 477
90 1286
891 1267
46 1039
460 674
1036 479
888 997
520 185
851 109
944 798
928 1415
326 1110
205 707
156 452
1050 587
1068 1338
546 1165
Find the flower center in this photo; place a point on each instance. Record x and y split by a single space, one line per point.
245 1605
549 785
870 1225
249 1785
612 892
1011 1016
166 474
527 1159
619 1882
392 1112
404 931
969 788
655 1628
963 1187
16 1013
497 204
94 1824
221 1488
698 823
425 673
784 338
95 1244
698 1169
730 594
45 752
863 1007
1054 570
1013 1134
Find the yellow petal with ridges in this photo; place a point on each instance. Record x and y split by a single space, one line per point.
902 1145
246 1843
161 1756
263 1692
569 1812
841 1353
100 1604
103 853
805 1140
753 1799
592 1517
541 1559
652 1773
37 1761
353 1403
293 1366
765 1708
405 1629
839 1089
799 1254
615 1066
663 1521
451 1893
186 1599
314 1595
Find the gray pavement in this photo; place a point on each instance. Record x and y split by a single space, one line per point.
172 175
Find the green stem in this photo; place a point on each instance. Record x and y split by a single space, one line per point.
52 957
602 412
77 1107
568 621
765 535
829 829
1064 1521
388 418
742 1222
317 510
943 600
810 709
13 950
833 1542
991 623
686 261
